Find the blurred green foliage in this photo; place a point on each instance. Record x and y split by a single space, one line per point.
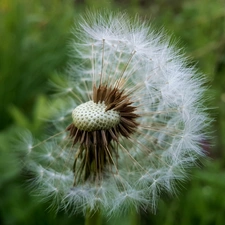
34 37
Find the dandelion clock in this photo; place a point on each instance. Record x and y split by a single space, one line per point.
129 120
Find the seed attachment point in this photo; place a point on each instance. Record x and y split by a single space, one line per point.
91 116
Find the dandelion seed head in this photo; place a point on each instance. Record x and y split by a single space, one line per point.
127 123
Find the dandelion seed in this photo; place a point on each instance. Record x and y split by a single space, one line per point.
133 125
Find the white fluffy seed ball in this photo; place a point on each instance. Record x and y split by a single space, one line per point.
90 116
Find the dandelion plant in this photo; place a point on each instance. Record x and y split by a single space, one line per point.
130 123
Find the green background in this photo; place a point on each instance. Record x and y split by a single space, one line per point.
34 37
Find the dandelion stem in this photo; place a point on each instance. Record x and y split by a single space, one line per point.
134 217
93 218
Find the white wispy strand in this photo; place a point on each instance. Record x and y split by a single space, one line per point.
168 96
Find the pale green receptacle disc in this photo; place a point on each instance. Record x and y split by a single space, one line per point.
92 116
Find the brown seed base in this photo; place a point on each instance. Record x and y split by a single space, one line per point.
97 149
